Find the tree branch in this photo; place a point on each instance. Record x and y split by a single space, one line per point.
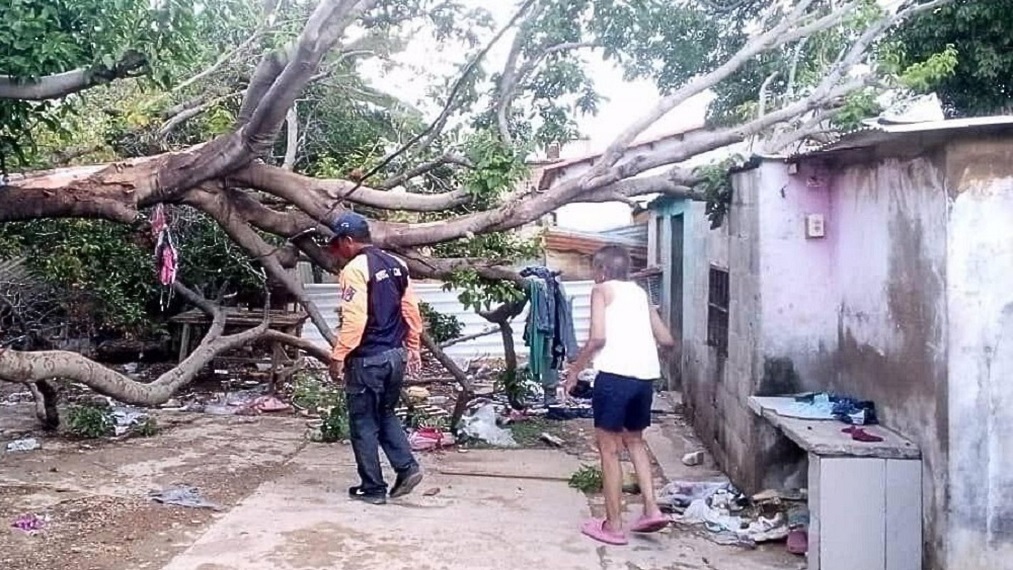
512 79
190 112
776 36
398 180
59 85
34 367
221 207
292 138
322 30
313 195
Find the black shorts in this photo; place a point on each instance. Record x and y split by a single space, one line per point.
621 403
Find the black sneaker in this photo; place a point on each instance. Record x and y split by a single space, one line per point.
406 482
356 493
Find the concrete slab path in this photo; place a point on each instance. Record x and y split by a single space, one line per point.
493 509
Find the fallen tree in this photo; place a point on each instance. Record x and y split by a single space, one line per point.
449 198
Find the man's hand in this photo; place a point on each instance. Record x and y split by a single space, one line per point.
414 363
337 371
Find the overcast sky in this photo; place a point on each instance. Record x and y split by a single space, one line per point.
625 101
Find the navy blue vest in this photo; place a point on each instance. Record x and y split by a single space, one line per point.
386 283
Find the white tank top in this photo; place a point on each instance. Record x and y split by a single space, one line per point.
630 349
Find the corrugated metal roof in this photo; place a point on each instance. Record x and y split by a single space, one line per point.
636 233
557 239
877 132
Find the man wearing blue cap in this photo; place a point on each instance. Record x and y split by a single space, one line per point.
379 336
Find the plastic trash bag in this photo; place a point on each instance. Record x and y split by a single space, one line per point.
182 497
26 444
482 425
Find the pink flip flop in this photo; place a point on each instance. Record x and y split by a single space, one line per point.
647 524
595 528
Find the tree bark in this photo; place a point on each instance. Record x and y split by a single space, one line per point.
41 366
70 82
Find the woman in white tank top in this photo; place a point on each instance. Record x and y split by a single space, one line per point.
630 349
625 334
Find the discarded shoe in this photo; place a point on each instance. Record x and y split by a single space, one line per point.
798 542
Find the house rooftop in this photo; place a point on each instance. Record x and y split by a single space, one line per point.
632 237
878 132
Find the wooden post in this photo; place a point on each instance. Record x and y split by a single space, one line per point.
184 343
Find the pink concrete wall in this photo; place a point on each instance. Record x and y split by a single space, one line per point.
797 279
861 311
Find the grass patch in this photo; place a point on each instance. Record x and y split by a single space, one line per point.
528 433
147 428
587 479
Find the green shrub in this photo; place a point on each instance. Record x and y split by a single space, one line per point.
90 421
441 327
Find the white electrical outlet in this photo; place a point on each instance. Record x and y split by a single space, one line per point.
815 226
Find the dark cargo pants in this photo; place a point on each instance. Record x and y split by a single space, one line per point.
373 387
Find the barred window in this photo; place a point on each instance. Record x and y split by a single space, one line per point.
717 310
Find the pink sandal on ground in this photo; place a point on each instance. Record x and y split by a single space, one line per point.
646 524
595 528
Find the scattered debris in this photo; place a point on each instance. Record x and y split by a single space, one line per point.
26 444
431 492
30 523
731 518
264 404
482 425
570 411
798 542
678 495
224 403
427 438
17 398
552 440
182 497
693 459
417 394
127 419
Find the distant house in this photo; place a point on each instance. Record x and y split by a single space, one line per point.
570 251
879 266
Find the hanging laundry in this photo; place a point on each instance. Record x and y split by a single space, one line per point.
166 256
549 332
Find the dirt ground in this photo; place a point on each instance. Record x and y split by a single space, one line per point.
94 495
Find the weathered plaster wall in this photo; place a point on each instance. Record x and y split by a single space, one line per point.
860 311
716 387
980 326
797 280
907 301
890 222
